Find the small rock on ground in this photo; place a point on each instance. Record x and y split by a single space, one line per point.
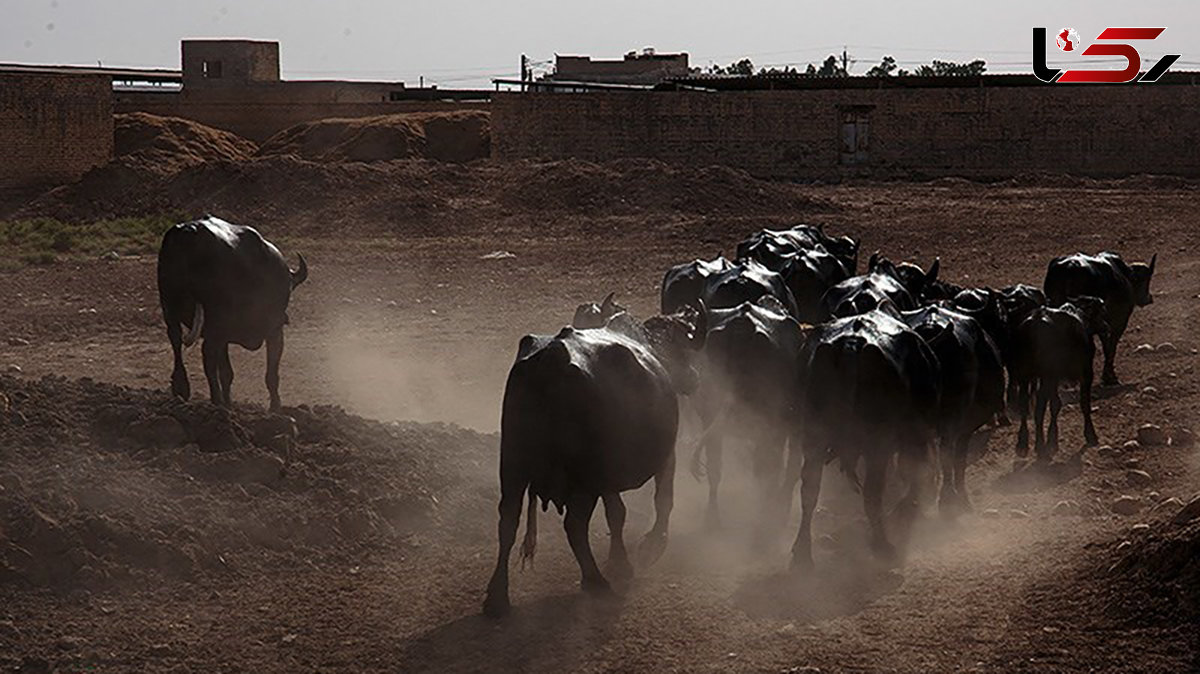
1152 435
1127 505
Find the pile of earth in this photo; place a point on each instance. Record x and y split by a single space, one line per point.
1156 578
460 136
295 196
104 484
166 144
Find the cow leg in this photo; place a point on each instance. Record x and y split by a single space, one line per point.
873 485
579 514
1109 375
714 449
655 542
1023 432
226 377
211 353
1085 405
948 458
911 466
768 460
1052 431
179 379
792 473
960 472
512 488
1039 418
810 491
618 565
274 354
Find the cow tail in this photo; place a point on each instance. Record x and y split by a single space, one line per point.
529 543
852 352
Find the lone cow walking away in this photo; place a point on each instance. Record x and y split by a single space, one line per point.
588 414
226 284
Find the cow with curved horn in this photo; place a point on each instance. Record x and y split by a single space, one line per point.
1106 276
227 285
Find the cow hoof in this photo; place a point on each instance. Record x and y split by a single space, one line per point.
885 552
712 520
651 548
802 562
597 586
496 606
1091 440
619 570
1110 380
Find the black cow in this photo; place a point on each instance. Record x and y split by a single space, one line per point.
1122 286
869 389
684 284
972 390
227 284
1053 345
772 247
719 284
749 385
900 284
588 414
809 274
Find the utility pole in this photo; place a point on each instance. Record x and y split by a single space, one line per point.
524 70
845 62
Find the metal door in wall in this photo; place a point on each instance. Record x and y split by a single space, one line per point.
856 132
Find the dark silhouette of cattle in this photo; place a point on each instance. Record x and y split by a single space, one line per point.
772 248
592 315
685 283
899 284
588 414
720 284
227 285
749 385
1122 286
869 390
972 390
1054 345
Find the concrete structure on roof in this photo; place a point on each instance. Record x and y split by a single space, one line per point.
645 67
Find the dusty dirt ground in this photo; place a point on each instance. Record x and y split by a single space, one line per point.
269 573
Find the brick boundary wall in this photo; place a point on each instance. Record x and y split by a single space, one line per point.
53 128
975 132
258 117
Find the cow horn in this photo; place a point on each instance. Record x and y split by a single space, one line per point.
934 268
300 274
1153 259
197 324
608 301
874 260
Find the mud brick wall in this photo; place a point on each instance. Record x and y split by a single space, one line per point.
53 128
979 132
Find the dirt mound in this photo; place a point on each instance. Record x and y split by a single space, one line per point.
106 484
1157 576
167 144
441 136
297 196
630 186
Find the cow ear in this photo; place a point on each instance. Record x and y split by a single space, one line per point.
874 260
1153 259
932 274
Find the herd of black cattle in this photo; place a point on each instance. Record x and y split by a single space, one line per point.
786 346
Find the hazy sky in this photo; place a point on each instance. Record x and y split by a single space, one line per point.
464 44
